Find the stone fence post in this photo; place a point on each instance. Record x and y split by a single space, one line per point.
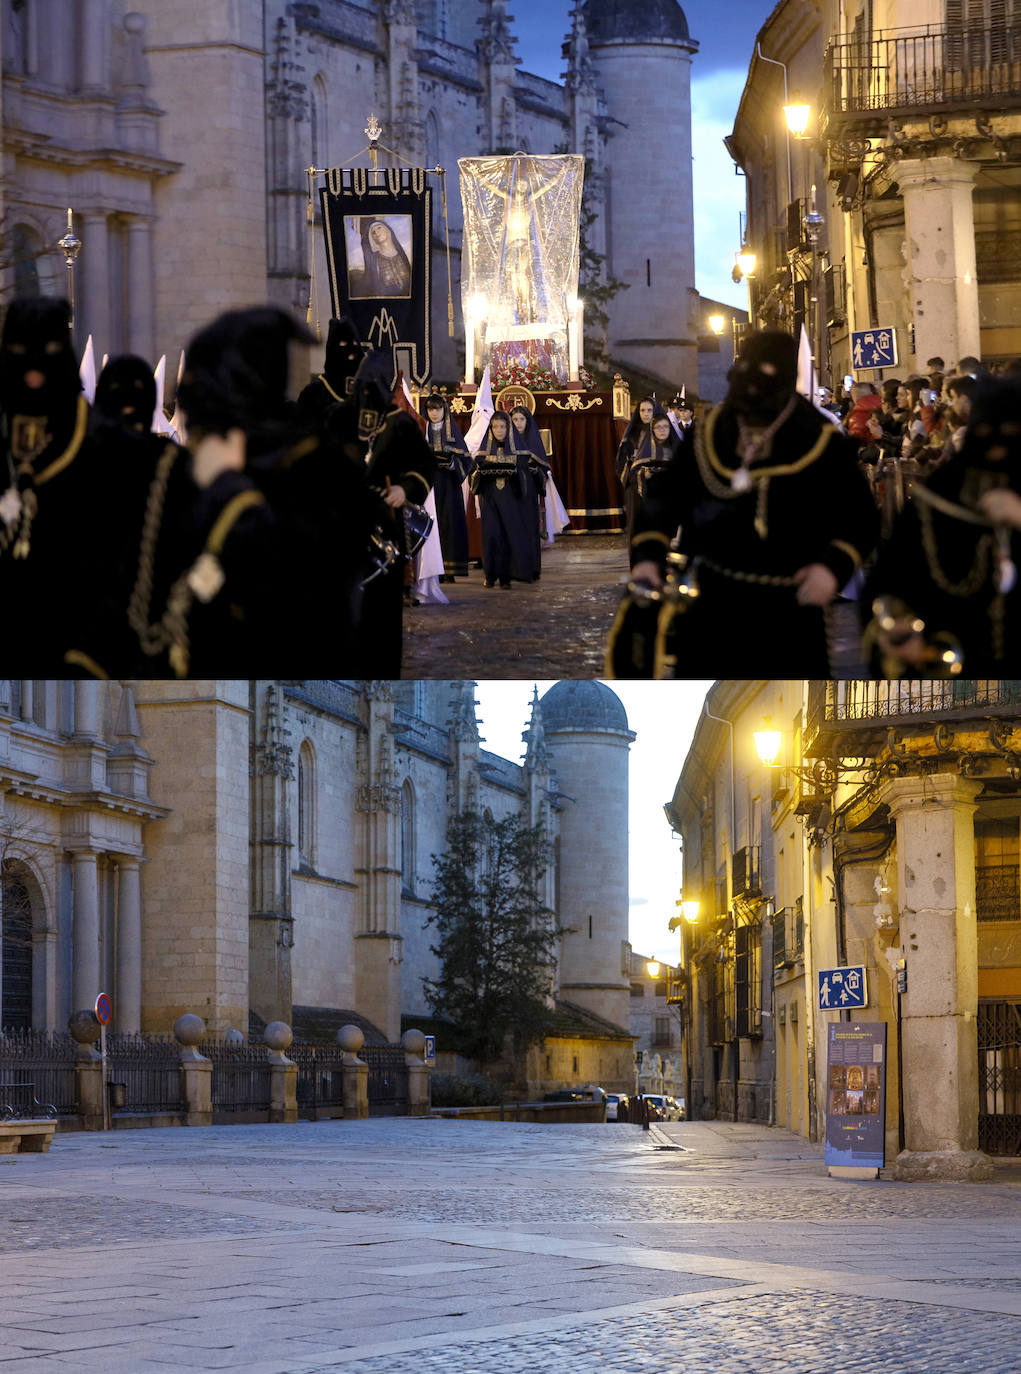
196 1071
283 1093
413 1044
355 1071
88 1069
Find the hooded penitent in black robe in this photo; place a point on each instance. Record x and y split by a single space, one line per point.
398 456
156 493
502 481
60 523
453 463
748 525
946 564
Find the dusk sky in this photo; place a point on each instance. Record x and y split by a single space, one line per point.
726 41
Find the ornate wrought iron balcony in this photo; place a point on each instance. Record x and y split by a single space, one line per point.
900 73
856 717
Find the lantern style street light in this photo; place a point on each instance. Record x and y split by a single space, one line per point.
797 116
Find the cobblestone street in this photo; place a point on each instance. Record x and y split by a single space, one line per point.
553 628
556 627
406 1245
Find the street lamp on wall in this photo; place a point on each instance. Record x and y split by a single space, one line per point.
797 116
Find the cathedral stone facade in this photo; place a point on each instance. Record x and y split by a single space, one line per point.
180 136
261 850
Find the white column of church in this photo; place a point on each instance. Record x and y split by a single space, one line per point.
86 706
55 37
128 1003
96 26
27 698
140 290
939 224
85 942
92 311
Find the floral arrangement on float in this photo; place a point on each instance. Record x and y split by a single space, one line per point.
532 375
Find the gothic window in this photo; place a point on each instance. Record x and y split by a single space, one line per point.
318 118
16 917
432 140
25 250
306 804
408 838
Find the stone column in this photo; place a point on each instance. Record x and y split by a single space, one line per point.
128 1004
140 288
88 1070
355 1071
196 1071
85 956
283 1096
939 1042
92 310
86 706
939 223
413 1044
93 54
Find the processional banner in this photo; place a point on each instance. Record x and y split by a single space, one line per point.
519 264
377 226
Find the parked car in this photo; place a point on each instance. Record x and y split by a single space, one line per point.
676 1108
616 1103
586 1092
656 1104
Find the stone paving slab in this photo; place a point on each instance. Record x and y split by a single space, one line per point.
214 1249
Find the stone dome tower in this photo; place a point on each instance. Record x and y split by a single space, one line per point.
587 734
641 54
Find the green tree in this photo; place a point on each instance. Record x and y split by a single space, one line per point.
596 288
495 938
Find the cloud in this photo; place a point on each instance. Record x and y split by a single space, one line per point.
638 901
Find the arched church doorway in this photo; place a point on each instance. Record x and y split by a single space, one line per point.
16 984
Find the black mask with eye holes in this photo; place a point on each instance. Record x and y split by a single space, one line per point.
764 375
38 372
992 441
126 395
344 355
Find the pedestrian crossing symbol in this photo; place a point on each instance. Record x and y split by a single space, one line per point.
873 348
842 987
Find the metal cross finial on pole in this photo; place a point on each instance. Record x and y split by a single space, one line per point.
70 245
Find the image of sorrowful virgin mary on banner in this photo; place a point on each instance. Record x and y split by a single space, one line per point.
377 226
379 253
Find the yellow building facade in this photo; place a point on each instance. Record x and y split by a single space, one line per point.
883 834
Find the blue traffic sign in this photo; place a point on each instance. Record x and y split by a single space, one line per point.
104 1008
430 1049
842 987
873 348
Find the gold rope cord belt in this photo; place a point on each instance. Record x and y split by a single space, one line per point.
760 579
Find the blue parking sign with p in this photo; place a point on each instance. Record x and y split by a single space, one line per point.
873 348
